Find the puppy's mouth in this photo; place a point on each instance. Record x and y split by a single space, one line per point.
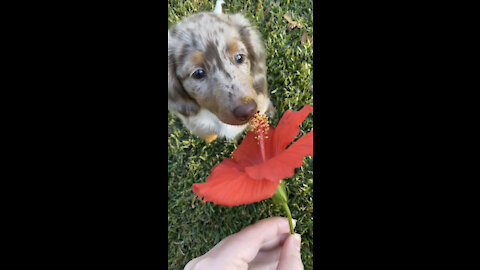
236 122
231 119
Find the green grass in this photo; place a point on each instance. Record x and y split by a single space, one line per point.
195 227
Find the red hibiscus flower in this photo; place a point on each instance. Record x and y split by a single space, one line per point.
260 162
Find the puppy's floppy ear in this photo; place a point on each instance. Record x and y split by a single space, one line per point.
178 99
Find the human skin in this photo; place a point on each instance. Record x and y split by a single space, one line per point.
264 245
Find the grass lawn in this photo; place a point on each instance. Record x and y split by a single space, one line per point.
195 227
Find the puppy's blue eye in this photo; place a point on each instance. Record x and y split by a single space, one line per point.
199 74
239 58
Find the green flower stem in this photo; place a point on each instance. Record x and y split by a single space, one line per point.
280 197
289 215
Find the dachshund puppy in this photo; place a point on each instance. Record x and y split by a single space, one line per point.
216 74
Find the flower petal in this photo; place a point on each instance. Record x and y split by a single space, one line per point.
284 164
288 128
248 152
230 187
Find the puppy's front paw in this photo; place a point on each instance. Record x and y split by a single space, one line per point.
210 138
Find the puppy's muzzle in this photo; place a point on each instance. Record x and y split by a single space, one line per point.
245 111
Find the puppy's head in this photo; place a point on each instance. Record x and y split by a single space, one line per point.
216 62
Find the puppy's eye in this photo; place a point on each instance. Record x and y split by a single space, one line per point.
239 58
199 74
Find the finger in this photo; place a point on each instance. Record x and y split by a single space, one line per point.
278 240
266 259
245 244
290 258
274 243
191 264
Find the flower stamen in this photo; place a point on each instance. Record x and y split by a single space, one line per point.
259 125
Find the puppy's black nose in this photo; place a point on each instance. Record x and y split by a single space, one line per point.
245 111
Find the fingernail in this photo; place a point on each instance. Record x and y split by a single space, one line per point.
294 222
297 239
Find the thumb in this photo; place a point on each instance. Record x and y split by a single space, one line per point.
290 258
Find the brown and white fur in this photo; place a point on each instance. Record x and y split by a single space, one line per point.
216 74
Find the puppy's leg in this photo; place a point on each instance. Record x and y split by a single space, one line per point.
210 138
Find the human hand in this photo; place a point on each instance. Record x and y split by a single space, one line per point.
264 245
